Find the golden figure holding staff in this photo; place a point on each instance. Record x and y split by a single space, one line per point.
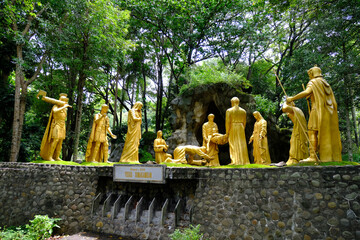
323 125
55 130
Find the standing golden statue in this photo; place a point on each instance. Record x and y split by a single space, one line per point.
298 142
209 131
260 143
55 132
130 151
160 148
98 146
235 123
323 125
181 151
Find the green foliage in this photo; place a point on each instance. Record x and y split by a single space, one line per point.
265 106
213 71
145 156
40 228
356 158
191 233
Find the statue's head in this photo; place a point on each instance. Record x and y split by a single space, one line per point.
257 115
104 108
211 117
159 134
138 105
314 72
63 97
235 101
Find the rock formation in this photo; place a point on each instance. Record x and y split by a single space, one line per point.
190 111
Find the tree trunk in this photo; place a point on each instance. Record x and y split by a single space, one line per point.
67 149
348 135
159 94
18 117
353 116
79 104
169 99
144 100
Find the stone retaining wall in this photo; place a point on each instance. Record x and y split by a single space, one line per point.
275 203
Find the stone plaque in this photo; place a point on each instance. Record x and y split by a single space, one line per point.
139 173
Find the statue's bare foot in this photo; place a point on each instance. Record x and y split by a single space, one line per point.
58 159
310 159
51 159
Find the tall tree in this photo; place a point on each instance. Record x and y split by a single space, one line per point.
20 20
94 37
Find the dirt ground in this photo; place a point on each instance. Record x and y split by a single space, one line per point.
89 236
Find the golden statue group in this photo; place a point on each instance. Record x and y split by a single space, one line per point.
320 136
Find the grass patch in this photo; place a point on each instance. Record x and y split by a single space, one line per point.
246 166
223 166
56 162
109 164
343 163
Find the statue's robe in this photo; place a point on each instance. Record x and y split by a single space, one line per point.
208 129
261 149
324 119
130 151
54 129
299 142
235 128
160 152
98 134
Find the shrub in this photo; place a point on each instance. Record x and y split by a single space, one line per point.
192 233
41 227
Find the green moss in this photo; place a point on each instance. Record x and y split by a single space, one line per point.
224 166
246 166
343 163
105 164
57 162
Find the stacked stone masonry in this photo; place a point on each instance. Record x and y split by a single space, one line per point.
269 203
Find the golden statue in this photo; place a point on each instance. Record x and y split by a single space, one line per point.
181 151
160 148
209 131
298 142
235 123
323 125
98 146
55 132
260 142
130 151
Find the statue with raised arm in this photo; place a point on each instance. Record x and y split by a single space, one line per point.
209 131
323 125
55 132
235 123
97 148
160 148
260 143
130 151
181 151
298 142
